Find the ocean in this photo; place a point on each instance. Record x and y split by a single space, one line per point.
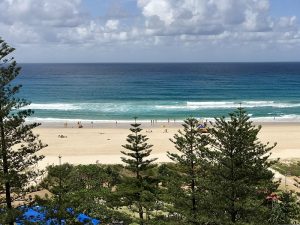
161 91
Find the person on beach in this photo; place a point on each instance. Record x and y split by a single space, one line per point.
62 136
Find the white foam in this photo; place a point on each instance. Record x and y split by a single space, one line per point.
244 104
107 107
52 106
93 107
228 105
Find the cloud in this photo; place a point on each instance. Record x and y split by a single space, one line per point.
54 13
31 21
220 23
61 22
188 24
112 24
202 17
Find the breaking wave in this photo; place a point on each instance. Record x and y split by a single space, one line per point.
230 104
124 107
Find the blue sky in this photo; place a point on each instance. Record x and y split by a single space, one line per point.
151 30
285 8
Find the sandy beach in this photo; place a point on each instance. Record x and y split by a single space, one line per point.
101 143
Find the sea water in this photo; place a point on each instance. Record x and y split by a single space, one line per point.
63 92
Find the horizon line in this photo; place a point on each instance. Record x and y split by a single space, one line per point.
191 62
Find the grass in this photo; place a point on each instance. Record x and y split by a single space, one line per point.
288 168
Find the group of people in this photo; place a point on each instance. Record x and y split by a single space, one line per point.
79 125
62 136
155 121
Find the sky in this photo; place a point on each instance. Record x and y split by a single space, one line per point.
151 30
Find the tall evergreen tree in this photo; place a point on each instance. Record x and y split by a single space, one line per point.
59 184
240 179
19 144
138 191
188 185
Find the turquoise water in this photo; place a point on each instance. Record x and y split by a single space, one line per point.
161 91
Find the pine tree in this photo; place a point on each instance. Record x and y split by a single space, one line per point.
138 191
187 188
60 206
19 144
240 180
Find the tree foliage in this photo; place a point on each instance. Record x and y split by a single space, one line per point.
19 144
138 191
84 189
187 183
285 208
240 179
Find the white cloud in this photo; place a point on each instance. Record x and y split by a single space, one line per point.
205 17
160 23
59 13
287 23
42 21
112 24
158 8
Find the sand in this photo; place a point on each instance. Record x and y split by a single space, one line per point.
101 143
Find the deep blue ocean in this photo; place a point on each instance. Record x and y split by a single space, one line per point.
161 91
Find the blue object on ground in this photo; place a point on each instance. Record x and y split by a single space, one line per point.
86 219
95 221
33 216
83 218
38 214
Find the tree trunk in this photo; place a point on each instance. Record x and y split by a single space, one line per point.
233 215
193 185
232 211
141 214
5 169
193 197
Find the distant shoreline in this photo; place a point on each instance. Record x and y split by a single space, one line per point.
145 123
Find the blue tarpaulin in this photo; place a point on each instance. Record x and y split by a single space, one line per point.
38 214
